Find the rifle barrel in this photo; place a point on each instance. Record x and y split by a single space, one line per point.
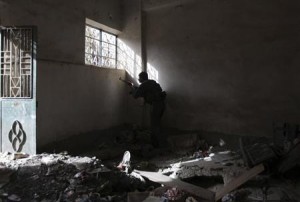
127 82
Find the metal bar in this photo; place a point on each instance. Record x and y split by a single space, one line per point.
1 69
30 80
20 65
14 78
10 42
23 62
1 47
100 48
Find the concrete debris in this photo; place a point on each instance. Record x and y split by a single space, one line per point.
59 177
289 160
232 166
256 153
239 180
236 196
181 185
222 142
285 136
14 197
174 194
279 157
49 160
137 196
64 178
5 174
153 199
161 194
190 199
226 164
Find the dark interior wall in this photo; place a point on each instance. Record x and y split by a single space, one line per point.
131 25
60 23
131 35
228 66
78 100
72 98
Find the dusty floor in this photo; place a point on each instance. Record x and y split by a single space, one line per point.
88 171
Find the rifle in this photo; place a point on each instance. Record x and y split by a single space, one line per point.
127 82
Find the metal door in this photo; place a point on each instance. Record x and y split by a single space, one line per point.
18 90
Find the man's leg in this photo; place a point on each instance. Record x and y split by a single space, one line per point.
158 140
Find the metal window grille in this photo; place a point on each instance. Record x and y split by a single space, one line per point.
100 48
16 62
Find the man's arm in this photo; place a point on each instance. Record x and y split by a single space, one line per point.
127 82
138 91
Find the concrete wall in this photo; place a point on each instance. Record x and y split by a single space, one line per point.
60 23
72 98
131 35
228 66
131 25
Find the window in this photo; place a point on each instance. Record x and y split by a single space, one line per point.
105 49
100 47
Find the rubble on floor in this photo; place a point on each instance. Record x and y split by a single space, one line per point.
60 177
190 170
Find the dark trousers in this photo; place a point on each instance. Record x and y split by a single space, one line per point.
157 138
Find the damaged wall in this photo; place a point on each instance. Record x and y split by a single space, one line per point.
72 98
228 66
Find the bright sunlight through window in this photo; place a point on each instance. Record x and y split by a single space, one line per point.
104 49
100 48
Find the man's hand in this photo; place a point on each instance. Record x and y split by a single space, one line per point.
127 82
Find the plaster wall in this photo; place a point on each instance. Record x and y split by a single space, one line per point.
228 66
75 99
60 23
131 35
131 25
72 98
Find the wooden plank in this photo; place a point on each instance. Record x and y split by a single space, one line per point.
165 180
236 182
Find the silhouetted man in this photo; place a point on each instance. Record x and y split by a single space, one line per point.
152 93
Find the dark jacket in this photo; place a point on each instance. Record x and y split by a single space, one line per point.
150 91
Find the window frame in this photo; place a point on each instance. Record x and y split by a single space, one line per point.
100 55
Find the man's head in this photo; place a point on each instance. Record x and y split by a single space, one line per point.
143 76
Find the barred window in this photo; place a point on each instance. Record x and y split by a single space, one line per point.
100 47
105 49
